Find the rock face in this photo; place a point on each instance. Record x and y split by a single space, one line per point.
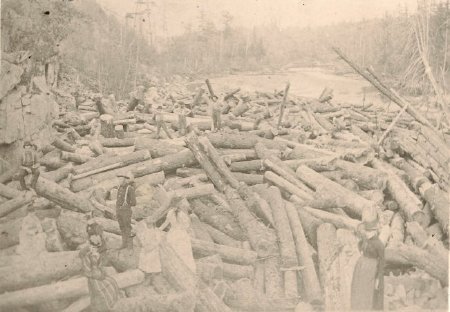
22 115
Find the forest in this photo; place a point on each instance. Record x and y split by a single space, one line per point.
113 57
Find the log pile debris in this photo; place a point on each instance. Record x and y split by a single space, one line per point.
274 196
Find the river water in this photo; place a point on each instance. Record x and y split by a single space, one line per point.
308 82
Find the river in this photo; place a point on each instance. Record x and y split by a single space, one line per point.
308 82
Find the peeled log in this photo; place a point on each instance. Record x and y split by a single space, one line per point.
219 237
62 196
62 290
327 247
39 270
309 275
227 253
247 166
331 195
409 204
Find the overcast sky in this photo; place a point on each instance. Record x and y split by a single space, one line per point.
285 13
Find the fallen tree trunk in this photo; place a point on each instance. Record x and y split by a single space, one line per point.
62 290
309 275
40 270
337 220
62 196
288 174
247 166
249 179
244 141
221 238
439 203
157 148
431 244
107 126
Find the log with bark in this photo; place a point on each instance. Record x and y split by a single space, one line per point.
58 174
431 244
116 142
108 162
328 250
23 272
62 290
63 145
409 204
329 194
9 206
309 275
62 196
182 279
107 126
220 220
227 253
365 177
166 163
75 157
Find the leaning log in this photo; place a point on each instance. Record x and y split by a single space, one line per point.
329 266
338 221
75 157
39 270
62 290
439 202
365 177
431 244
58 174
309 275
286 185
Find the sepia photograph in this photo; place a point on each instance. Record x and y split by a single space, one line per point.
224 155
